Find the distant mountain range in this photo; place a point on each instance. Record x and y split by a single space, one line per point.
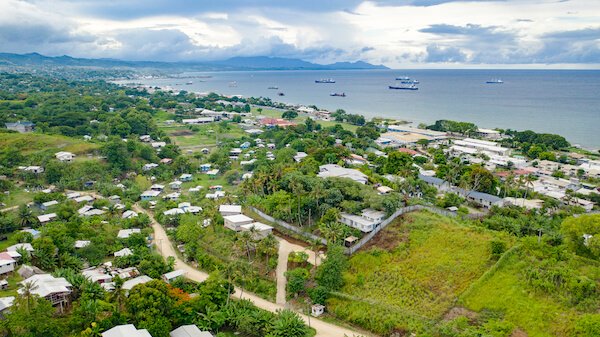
235 63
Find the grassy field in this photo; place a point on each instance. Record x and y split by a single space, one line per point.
29 143
13 285
412 273
204 135
536 313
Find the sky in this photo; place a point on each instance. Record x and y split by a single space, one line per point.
396 33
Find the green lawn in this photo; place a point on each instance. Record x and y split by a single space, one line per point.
17 197
202 135
13 285
421 264
301 118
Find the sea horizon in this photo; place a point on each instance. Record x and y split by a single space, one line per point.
560 101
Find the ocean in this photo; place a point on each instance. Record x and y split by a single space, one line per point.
565 102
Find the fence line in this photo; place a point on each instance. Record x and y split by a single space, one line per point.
363 241
286 225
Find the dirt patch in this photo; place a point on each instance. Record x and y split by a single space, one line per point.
180 133
459 311
519 333
390 237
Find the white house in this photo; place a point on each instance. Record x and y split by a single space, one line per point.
82 243
299 156
260 230
226 210
34 169
44 218
333 170
175 185
27 246
149 195
366 222
129 214
125 233
148 167
175 274
56 290
234 222
189 331
185 177
129 284
7 264
123 252
172 196
127 330
64 156
215 195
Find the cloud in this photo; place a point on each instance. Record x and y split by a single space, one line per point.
446 54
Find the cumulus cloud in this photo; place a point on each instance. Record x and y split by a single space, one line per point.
396 32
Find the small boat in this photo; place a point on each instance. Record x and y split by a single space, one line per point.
325 80
404 87
189 83
338 94
403 78
273 88
280 94
494 81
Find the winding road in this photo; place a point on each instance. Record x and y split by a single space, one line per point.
165 248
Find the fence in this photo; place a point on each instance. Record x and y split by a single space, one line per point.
286 225
364 239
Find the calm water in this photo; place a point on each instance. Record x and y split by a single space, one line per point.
562 102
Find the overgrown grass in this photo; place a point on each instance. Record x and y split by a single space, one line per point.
537 313
428 261
28 143
202 135
13 285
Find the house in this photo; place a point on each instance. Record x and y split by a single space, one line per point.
64 156
175 185
215 195
7 264
34 169
189 331
173 212
234 222
317 310
97 275
157 187
148 167
195 189
149 195
123 252
145 138
356 160
57 290
20 126
235 152
440 184
205 167
73 195
172 196
93 212
125 233
273 122
247 175
226 210
34 233
482 199
199 120
384 190
82 243
212 173
586 204
127 330
366 222
185 177
259 230
166 161
300 156
129 284
5 304
44 218
245 145
483 146
129 214
175 274
84 198
158 145
26 246
333 170
488 134
188 208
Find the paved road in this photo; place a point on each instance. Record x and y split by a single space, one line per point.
165 248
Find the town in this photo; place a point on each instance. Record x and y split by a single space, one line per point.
220 208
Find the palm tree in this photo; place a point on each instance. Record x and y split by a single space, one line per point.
528 183
315 246
118 295
26 217
332 231
246 239
269 246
